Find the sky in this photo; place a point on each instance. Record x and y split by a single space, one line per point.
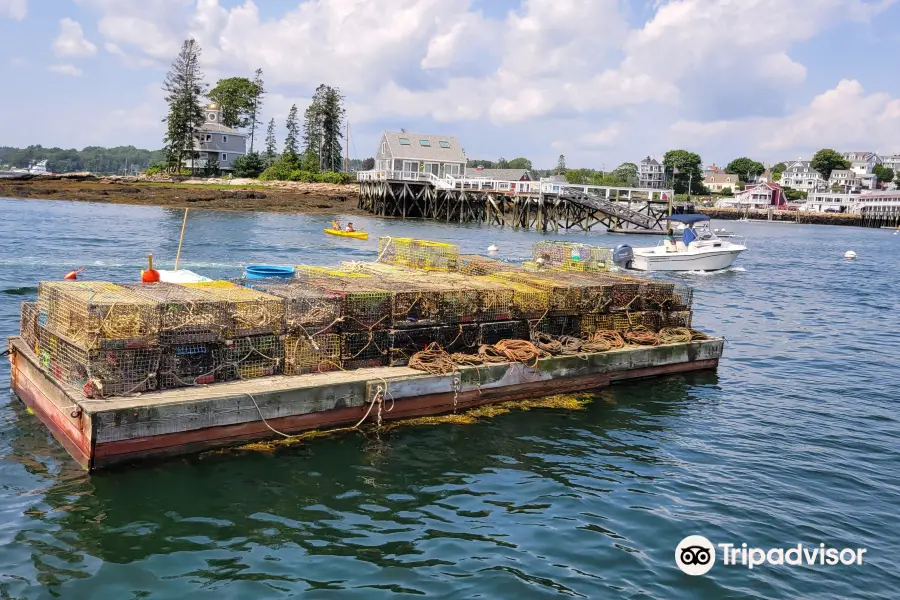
600 81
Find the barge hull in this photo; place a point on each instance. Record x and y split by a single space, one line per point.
101 433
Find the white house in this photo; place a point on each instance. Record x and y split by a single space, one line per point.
801 176
411 153
651 174
862 162
892 162
846 180
216 144
830 202
761 196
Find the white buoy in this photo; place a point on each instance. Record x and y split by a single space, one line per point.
849 254
492 248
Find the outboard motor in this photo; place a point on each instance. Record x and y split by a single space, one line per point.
623 255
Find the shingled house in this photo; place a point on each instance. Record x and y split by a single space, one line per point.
420 153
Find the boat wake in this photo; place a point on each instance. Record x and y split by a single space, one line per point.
719 272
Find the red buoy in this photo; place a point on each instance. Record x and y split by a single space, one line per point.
151 275
73 274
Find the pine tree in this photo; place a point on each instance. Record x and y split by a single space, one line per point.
259 91
271 153
312 131
561 165
293 131
332 119
184 89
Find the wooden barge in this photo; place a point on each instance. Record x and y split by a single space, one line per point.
104 432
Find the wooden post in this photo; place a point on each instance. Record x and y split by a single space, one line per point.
181 239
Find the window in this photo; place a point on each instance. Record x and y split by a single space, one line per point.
424 143
224 139
444 144
404 141
208 137
383 147
224 157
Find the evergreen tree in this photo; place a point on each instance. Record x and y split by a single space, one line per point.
561 165
312 132
259 91
271 153
332 118
293 131
184 89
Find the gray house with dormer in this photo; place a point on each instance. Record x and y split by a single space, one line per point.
410 153
216 143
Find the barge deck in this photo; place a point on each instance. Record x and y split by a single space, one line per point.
101 433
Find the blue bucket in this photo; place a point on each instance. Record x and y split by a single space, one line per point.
267 271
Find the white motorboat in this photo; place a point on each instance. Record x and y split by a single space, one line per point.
700 249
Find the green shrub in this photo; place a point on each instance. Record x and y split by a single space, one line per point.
249 165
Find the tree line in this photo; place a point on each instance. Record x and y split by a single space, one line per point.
311 151
96 159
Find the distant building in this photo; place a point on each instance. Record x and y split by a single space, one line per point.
801 176
846 180
651 174
766 177
892 162
830 202
410 153
711 169
216 143
761 195
862 162
499 174
716 182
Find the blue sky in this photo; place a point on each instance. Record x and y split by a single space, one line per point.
602 81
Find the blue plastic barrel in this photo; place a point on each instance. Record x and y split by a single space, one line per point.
266 271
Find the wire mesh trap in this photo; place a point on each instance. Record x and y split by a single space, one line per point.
98 373
362 349
250 312
557 326
185 365
423 255
98 314
251 357
453 338
571 256
491 333
186 315
28 321
316 354
306 307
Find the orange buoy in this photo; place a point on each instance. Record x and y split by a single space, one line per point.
151 275
73 274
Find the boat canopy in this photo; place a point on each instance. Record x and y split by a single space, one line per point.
687 219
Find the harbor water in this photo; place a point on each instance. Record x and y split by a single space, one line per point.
794 440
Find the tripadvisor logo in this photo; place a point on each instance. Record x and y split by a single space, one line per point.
696 555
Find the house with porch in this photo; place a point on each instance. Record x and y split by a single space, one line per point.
410 153
800 175
844 180
716 182
759 196
862 163
216 144
651 174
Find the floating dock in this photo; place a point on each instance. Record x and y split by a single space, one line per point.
99 433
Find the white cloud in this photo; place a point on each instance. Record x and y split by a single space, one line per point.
14 9
113 49
71 41
842 117
66 69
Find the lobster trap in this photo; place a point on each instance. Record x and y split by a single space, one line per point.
186 315
361 349
491 333
557 326
251 357
306 308
185 365
562 298
28 320
590 324
571 256
666 296
249 312
479 266
406 342
316 354
98 314
678 318
98 372
423 255
527 302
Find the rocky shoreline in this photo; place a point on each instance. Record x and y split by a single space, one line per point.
789 216
212 194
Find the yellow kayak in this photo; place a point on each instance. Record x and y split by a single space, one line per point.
360 235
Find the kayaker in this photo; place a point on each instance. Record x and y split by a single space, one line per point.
336 225
350 228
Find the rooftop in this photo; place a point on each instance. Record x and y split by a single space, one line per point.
424 146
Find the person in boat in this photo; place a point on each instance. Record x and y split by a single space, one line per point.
669 240
349 228
336 225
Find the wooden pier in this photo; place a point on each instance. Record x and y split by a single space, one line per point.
100 433
541 205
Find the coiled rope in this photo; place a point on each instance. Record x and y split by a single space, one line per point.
641 336
610 336
434 360
675 335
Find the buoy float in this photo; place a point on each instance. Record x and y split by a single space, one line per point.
151 275
492 248
849 254
73 274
